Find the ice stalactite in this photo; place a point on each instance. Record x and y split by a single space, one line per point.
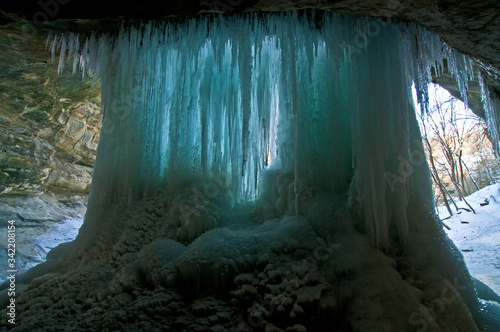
491 104
325 96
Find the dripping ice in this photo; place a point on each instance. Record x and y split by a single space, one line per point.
491 109
235 97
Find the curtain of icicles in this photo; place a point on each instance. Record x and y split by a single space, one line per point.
326 96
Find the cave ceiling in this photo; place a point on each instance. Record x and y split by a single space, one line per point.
472 27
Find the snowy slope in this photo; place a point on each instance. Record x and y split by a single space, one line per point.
478 235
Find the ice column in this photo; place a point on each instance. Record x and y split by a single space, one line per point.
325 96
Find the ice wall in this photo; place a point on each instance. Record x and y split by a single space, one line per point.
325 96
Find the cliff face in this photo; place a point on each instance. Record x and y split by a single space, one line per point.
49 124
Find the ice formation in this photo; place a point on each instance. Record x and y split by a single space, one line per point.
272 158
491 104
324 96
258 172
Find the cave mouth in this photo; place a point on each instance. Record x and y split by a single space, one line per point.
218 97
191 223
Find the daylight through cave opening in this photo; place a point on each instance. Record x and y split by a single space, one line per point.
324 96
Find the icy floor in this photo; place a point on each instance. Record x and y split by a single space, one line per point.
42 223
33 244
64 232
478 235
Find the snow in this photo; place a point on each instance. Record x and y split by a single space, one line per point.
478 235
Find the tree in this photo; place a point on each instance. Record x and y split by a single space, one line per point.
457 150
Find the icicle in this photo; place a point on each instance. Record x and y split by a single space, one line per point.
492 114
53 45
241 94
62 55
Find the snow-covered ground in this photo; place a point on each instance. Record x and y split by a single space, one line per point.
477 235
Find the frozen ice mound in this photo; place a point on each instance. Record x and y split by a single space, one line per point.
217 256
157 262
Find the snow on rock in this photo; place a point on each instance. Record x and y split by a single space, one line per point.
296 328
214 259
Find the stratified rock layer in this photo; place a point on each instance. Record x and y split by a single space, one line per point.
49 124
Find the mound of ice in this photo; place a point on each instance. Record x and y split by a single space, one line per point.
217 256
157 262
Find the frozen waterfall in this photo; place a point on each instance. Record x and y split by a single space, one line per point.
325 96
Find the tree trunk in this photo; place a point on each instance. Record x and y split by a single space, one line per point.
435 176
470 174
460 162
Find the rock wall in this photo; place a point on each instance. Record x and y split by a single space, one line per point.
49 124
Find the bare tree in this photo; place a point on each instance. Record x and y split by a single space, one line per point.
448 135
